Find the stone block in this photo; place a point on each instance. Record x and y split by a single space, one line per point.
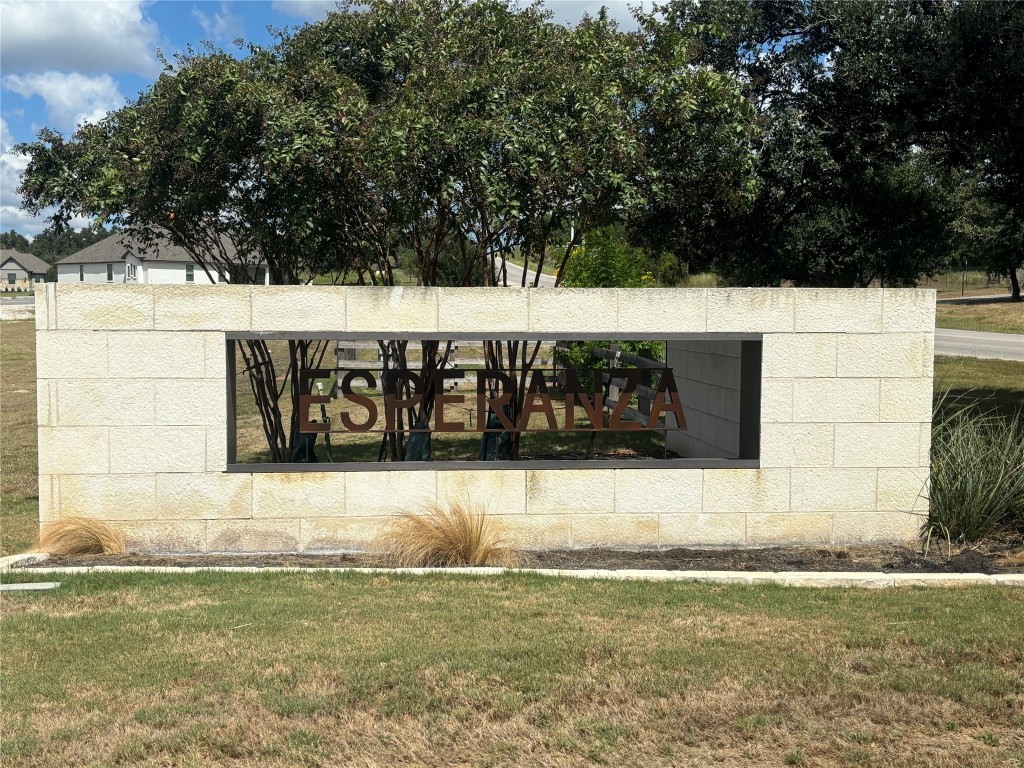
342 534
746 490
483 310
891 355
109 497
205 496
877 445
789 528
723 530
73 450
497 491
661 310
41 299
215 350
924 443
45 391
640 531
904 489
104 402
534 531
104 307
928 355
906 399
797 445
49 499
800 355
570 491
157 449
751 310
852 528
571 310
71 354
253 536
186 402
658 491
908 309
203 308
157 355
370 494
164 536
836 400
298 307
828 489
776 401
838 310
216 449
381 310
296 495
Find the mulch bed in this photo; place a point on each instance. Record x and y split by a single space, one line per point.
1000 557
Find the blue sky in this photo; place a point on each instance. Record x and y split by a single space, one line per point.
65 62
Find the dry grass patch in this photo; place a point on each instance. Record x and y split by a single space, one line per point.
19 489
459 534
80 536
995 315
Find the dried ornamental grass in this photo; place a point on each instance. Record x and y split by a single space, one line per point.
460 534
80 536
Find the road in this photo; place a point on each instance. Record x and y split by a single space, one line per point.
515 277
1003 346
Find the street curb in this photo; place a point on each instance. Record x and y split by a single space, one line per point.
858 579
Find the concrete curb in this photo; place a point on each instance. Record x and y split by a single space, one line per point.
860 579
14 561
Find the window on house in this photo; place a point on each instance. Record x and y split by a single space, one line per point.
81 273
12 278
110 273
220 276
190 273
130 270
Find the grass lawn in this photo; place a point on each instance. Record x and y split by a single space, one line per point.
19 489
990 385
327 669
998 315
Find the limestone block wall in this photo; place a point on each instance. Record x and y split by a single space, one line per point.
132 419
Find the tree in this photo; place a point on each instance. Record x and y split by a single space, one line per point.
15 241
454 133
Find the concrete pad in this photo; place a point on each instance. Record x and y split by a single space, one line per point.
29 587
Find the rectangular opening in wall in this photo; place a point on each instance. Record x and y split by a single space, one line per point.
351 402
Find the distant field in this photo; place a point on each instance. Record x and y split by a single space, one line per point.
997 315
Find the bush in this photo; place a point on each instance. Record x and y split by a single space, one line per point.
460 534
80 536
977 475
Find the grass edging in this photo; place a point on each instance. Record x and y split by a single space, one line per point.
863 579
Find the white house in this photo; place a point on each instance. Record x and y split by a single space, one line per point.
19 270
119 259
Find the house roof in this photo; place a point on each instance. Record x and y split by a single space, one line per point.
27 261
115 247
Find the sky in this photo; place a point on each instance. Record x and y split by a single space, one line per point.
70 61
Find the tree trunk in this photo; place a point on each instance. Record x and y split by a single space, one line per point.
1014 285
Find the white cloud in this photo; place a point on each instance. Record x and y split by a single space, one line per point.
11 215
89 37
71 98
222 26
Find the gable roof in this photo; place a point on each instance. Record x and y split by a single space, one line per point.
27 261
118 245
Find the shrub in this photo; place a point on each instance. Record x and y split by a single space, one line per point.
80 536
977 475
460 534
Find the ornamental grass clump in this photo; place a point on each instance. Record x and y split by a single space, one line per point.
977 475
456 535
80 536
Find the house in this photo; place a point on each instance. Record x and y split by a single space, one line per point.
120 259
19 270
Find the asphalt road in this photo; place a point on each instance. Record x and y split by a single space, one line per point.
18 301
1003 346
515 277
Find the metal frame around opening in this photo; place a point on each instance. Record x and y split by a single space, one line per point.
750 405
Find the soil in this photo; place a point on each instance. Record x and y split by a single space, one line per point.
998 557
